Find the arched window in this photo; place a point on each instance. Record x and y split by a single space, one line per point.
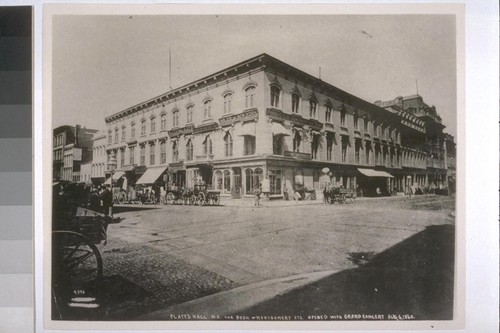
123 132
249 97
228 98
295 102
315 146
355 118
313 104
116 135
153 124
296 141
163 122
228 145
328 112
275 96
189 117
207 146
132 130
207 106
189 150
175 118
163 152
143 127
342 115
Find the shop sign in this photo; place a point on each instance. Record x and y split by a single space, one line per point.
248 115
416 127
206 128
179 131
294 118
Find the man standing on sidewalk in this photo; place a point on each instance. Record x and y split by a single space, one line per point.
107 202
256 193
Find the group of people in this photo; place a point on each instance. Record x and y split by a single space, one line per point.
101 200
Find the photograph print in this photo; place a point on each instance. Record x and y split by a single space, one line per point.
284 167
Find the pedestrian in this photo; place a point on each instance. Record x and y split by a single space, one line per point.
107 202
256 193
95 200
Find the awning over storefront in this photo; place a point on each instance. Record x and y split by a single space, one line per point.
117 175
151 175
279 129
375 173
248 129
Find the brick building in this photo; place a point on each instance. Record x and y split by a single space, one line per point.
265 122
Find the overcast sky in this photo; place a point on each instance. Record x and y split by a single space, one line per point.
104 64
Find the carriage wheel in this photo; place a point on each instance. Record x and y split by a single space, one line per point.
216 199
201 199
76 261
170 198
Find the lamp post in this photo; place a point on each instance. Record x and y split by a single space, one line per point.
111 167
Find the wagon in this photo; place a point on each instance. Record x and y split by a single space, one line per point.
337 194
178 195
202 195
76 260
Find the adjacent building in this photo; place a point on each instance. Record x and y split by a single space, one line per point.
264 122
72 146
99 158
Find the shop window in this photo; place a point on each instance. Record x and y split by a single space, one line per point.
228 145
275 182
368 148
175 152
275 96
152 155
249 97
297 139
295 102
249 184
345 144
329 147
163 152
207 109
163 122
315 146
207 146
228 99
218 180
189 150
153 124
227 181
278 144
132 130
248 145
142 160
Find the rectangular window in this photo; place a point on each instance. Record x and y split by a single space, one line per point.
207 109
227 103
295 103
275 96
175 119
328 114
116 135
132 153
122 158
142 160
163 152
342 117
345 143
152 156
366 125
367 151
329 147
143 127
249 145
312 108
132 131
357 147
249 97
189 118
175 152
277 144
153 125
123 133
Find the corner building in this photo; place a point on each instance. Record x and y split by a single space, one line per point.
259 119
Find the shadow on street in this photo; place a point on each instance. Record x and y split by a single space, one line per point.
117 209
415 277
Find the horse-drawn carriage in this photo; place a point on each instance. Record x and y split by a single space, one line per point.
202 195
340 195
